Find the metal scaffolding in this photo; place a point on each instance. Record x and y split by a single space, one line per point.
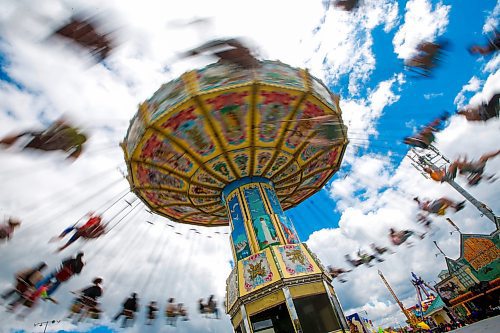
412 320
432 158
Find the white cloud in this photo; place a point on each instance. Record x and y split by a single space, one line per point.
432 95
422 22
343 43
473 85
492 21
488 88
361 115
388 203
493 64
377 309
57 80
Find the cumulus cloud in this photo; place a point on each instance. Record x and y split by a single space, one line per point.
375 196
492 21
492 65
473 85
488 88
51 79
362 114
422 22
343 42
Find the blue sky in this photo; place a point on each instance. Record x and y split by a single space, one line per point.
359 55
457 67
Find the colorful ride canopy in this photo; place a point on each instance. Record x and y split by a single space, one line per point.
220 123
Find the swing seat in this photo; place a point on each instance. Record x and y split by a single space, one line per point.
416 142
4 234
128 314
22 286
474 180
93 232
9 140
95 313
76 307
64 274
438 208
29 299
170 314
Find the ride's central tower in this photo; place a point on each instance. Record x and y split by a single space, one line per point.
277 284
228 146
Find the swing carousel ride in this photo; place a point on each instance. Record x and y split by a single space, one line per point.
237 143
225 145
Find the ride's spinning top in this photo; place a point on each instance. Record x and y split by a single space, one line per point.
212 126
233 145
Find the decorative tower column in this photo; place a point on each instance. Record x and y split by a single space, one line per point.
277 282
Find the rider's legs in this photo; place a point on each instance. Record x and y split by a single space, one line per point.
71 240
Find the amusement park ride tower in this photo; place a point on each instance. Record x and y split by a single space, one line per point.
230 146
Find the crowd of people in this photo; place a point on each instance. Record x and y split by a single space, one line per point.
31 286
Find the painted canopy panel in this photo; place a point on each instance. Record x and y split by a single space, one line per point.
212 126
168 95
256 272
295 261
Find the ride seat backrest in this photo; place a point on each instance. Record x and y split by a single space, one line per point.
6 231
64 274
207 309
170 313
22 286
128 313
76 307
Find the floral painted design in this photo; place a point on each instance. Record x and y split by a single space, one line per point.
230 110
218 75
274 107
309 152
167 96
295 260
205 178
278 163
186 125
278 73
256 271
293 168
222 169
302 129
262 158
161 152
200 190
161 198
232 287
241 161
322 92
156 178
135 133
